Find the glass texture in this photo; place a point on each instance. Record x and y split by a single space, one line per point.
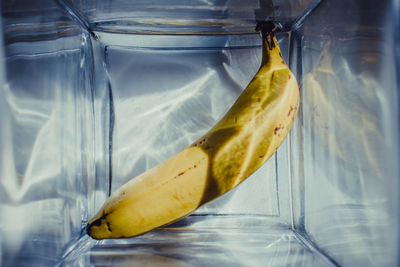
45 156
195 16
346 143
94 93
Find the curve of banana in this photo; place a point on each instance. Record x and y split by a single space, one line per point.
246 137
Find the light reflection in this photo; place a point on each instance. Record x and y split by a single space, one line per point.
346 154
345 126
270 245
152 111
40 121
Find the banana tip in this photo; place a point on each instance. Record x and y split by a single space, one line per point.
89 230
89 226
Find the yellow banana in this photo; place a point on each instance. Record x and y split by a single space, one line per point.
248 134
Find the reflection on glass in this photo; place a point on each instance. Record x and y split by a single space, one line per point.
347 153
340 119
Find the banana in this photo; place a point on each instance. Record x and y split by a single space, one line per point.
246 136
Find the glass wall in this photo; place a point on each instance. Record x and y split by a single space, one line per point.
94 93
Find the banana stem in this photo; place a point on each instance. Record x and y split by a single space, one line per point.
267 29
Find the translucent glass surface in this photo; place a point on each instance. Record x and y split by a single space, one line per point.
264 245
190 17
346 145
44 162
95 92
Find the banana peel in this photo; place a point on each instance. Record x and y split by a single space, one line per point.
246 137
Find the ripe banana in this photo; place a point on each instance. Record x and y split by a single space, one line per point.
248 134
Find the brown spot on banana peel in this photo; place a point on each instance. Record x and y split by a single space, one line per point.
183 172
277 129
290 111
108 226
